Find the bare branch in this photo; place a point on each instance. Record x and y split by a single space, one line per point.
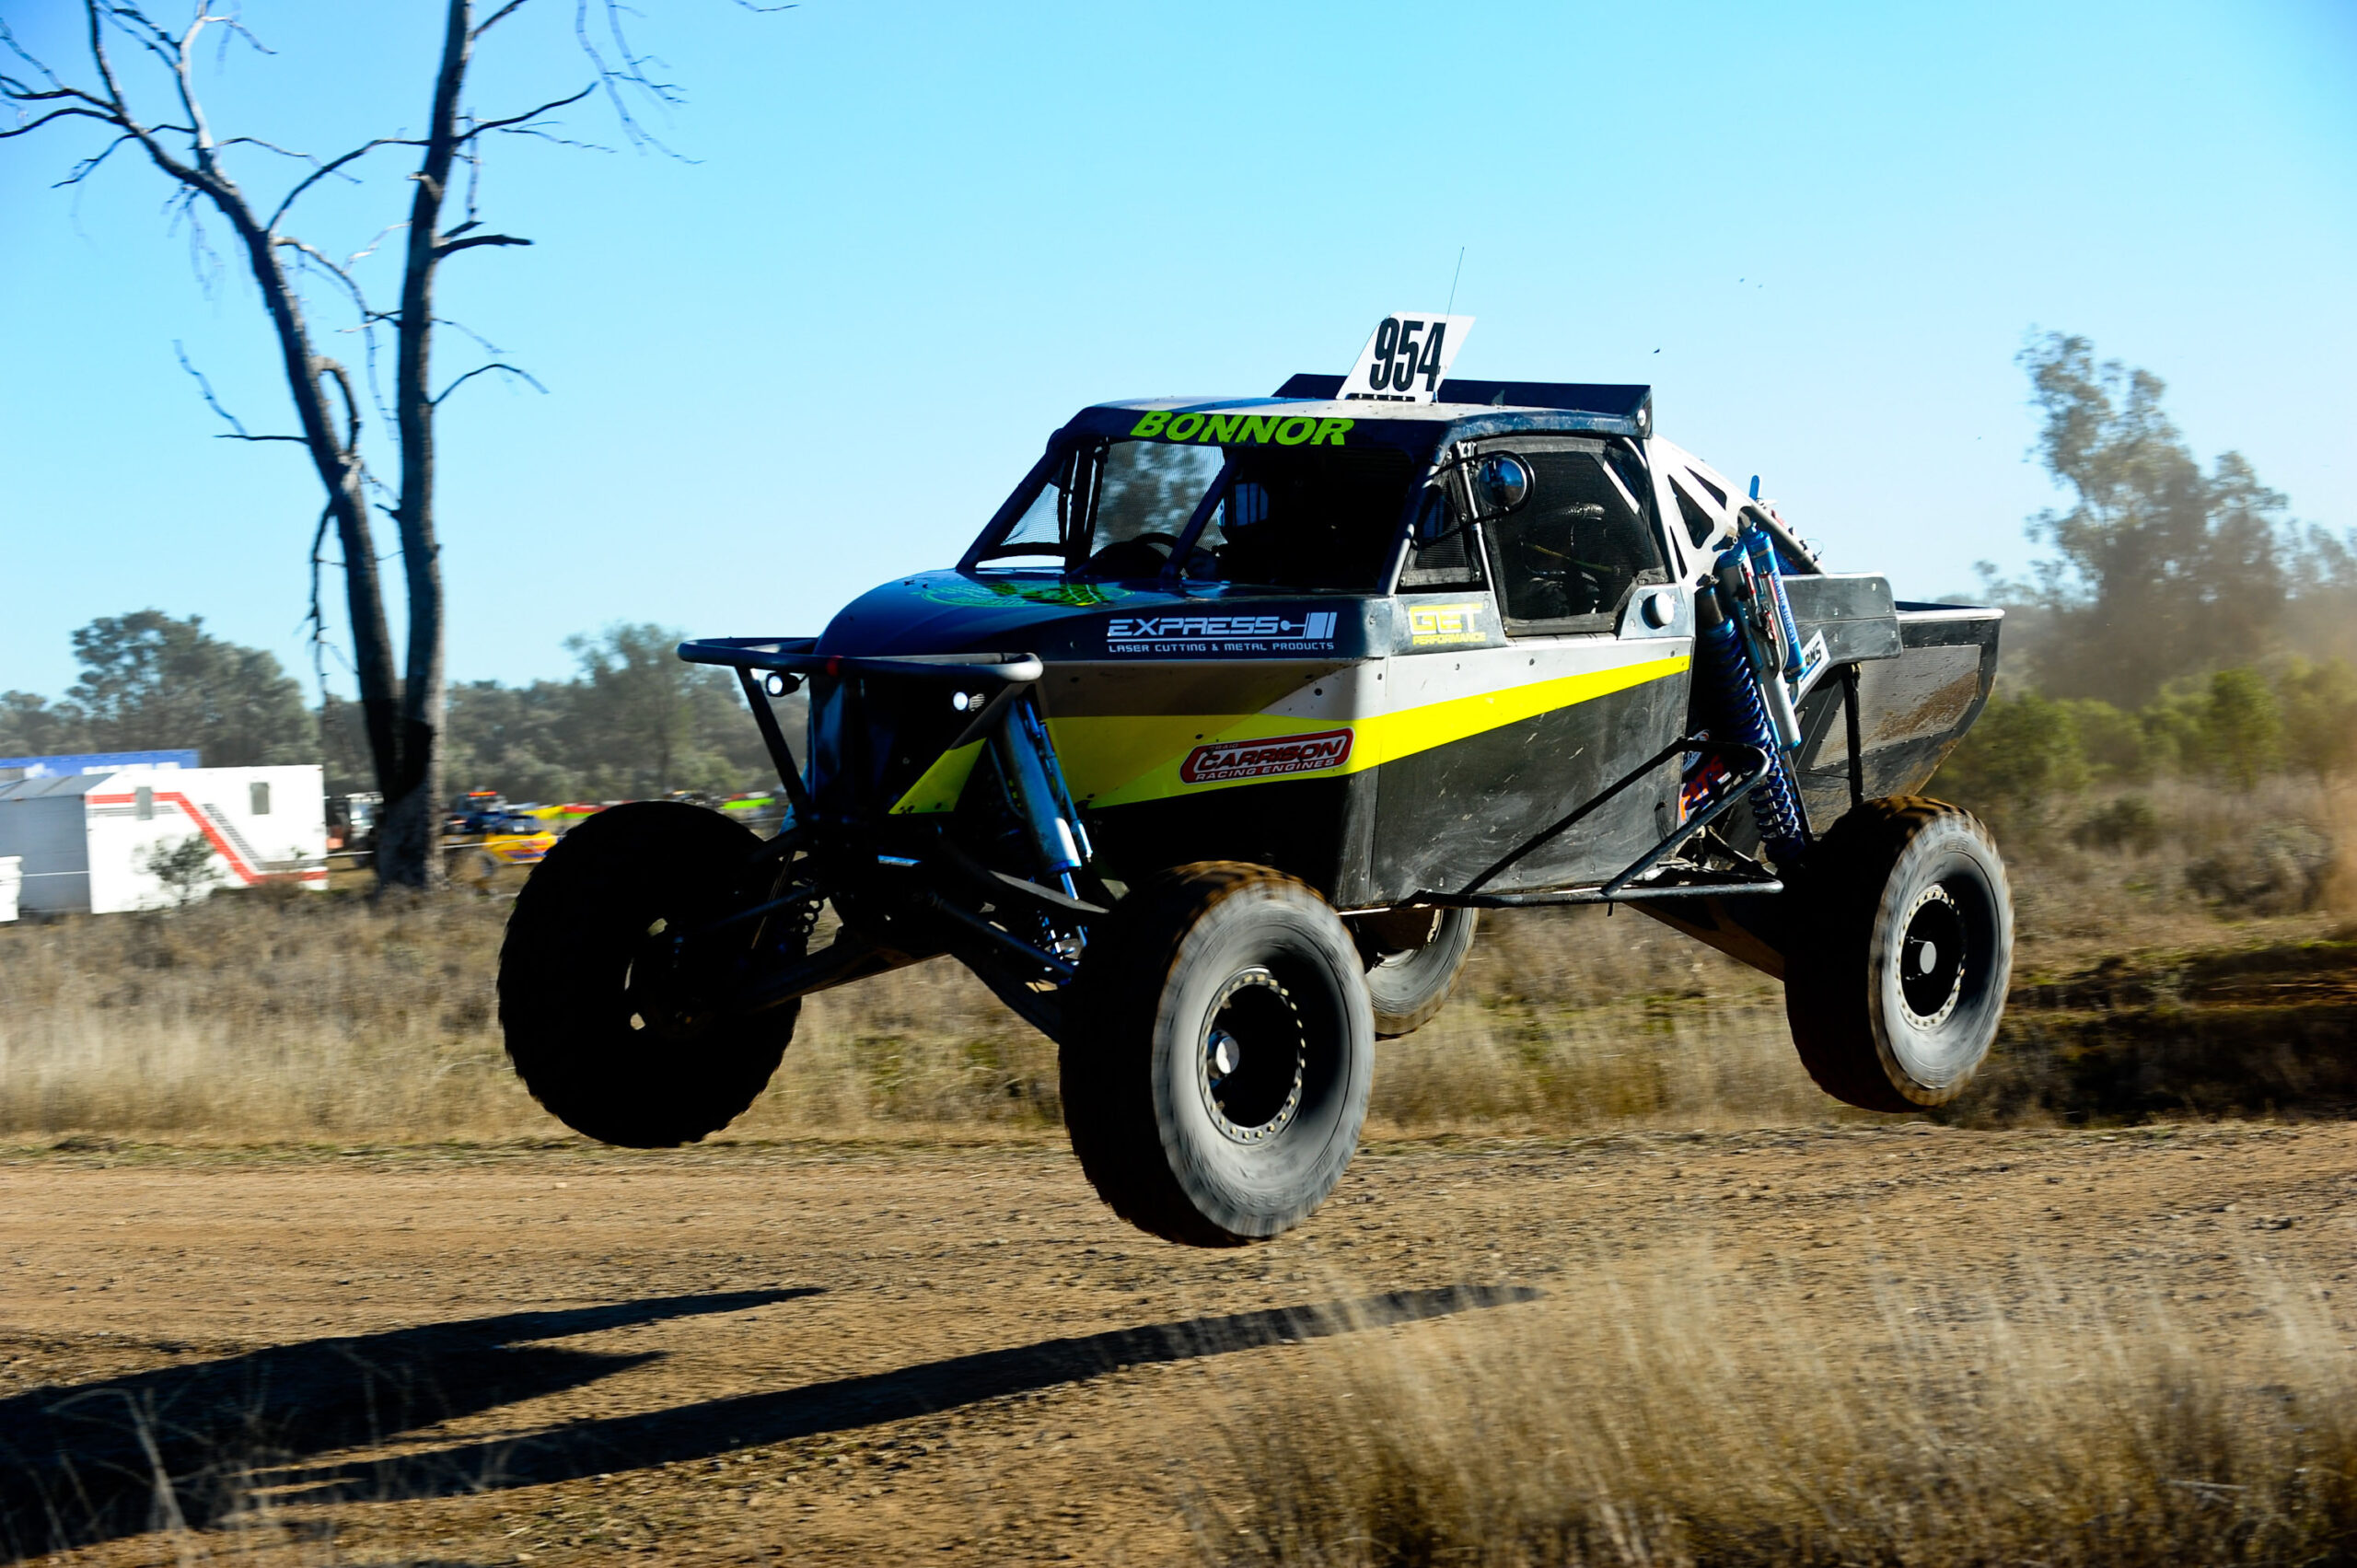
236 431
90 166
9 41
331 167
73 112
525 376
312 255
480 342
495 18
538 134
628 70
205 387
234 26
449 247
370 248
267 147
329 370
483 125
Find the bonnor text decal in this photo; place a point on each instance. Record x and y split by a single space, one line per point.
1226 760
1254 429
1311 631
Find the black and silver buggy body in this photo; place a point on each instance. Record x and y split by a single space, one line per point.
1207 752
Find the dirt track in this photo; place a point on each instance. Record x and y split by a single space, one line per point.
748 1355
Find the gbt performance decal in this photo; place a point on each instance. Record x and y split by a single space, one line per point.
1312 632
1226 759
1434 625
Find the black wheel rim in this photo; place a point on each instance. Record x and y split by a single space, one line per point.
1932 958
1253 1057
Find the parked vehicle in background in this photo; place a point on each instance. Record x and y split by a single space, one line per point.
150 838
352 824
485 834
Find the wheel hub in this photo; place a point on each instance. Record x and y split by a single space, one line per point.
1932 958
1252 1059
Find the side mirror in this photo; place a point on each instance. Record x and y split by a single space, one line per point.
1501 485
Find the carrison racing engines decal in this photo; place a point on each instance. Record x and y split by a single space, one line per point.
1223 761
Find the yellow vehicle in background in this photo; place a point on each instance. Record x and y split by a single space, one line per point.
484 834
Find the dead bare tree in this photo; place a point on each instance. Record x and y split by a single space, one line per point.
402 715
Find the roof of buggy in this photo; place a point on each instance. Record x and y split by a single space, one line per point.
1465 408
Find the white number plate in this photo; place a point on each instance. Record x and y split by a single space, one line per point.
1407 358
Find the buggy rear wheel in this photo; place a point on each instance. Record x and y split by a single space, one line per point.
1216 1071
1895 991
1413 957
598 1001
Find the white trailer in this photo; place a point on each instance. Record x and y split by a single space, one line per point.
89 842
11 875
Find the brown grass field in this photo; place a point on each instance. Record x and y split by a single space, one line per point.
1610 1282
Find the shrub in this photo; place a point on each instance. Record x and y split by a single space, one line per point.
2128 823
185 868
2320 704
2245 727
2111 741
2280 871
2024 751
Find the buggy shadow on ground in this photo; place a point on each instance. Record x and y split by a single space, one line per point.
187 1444
191 1445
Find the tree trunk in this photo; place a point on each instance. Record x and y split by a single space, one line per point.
409 843
338 465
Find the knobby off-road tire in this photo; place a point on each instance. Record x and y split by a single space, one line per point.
1413 958
1216 1070
1898 973
588 1042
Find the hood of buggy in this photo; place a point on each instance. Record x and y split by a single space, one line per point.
1044 613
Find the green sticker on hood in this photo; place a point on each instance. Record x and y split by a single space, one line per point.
967 594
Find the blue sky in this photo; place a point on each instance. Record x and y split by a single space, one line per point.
912 238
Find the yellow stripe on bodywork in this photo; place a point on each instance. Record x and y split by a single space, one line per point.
1387 737
1144 751
941 784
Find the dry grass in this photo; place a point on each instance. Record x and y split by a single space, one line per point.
1677 1420
331 1019
326 1017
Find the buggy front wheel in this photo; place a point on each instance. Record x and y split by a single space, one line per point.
1216 1068
602 1009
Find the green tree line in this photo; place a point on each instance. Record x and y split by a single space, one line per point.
2231 728
632 722
2184 625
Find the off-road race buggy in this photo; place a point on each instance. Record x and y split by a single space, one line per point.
1207 754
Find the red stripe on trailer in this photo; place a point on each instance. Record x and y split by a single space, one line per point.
213 835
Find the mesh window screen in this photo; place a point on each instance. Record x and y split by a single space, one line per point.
1575 548
1450 563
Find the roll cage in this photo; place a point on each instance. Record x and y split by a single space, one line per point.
1445 444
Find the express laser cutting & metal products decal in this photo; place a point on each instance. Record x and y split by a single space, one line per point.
1311 631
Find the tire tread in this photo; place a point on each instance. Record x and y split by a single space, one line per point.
1842 891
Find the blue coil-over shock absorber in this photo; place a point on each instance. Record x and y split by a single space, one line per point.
1741 714
1035 788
